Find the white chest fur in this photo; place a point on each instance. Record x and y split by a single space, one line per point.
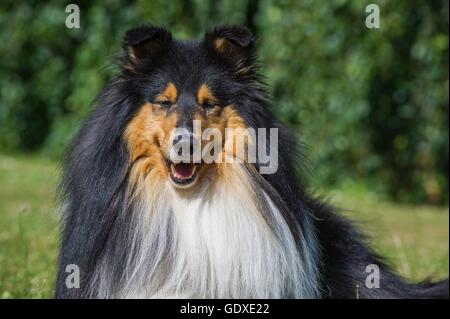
216 244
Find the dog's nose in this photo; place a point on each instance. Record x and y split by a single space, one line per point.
183 147
184 141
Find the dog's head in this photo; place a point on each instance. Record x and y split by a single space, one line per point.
191 93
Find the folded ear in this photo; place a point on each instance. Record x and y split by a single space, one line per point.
232 43
145 42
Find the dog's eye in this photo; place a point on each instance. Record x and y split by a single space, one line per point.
208 105
165 104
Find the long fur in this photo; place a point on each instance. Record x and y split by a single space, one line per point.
215 245
242 235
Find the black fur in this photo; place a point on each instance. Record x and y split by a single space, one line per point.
96 168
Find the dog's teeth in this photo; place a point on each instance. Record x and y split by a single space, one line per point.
180 176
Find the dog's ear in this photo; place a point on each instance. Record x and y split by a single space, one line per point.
232 43
145 42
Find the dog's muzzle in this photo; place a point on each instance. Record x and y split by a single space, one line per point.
183 159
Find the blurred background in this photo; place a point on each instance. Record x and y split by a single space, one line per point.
370 106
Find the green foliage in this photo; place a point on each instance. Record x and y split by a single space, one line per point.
372 104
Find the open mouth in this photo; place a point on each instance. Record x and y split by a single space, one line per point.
183 174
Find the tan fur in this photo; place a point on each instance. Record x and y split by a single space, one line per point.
147 137
204 95
169 94
221 45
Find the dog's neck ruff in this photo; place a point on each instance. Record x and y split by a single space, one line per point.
216 244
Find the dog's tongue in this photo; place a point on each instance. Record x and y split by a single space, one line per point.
183 170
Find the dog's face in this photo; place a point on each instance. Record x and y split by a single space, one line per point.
187 88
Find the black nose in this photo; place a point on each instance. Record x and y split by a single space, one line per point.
183 140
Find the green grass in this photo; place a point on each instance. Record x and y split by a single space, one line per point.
414 238
28 226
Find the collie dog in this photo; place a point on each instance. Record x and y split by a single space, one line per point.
144 217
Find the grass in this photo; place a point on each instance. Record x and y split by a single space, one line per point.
28 226
414 238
